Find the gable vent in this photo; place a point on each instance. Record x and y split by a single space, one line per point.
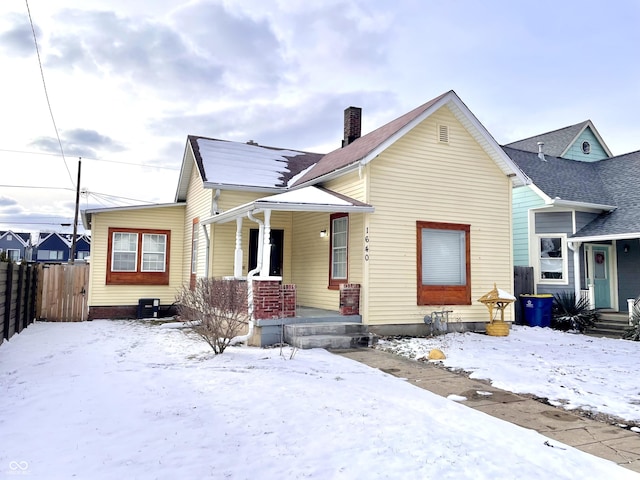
443 133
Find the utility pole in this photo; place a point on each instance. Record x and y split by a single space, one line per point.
72 258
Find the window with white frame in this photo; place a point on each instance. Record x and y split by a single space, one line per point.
339 249
13 254
124 251
50 254
552 258
154 247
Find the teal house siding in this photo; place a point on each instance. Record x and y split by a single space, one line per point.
524 199
596 151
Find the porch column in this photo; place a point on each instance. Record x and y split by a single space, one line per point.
266 250
237 262
577 277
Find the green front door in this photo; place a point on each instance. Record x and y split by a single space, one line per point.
599 273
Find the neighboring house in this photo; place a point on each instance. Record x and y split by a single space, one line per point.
578 223
413 217
16 245
53 247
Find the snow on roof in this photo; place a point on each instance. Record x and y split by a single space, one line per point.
231 163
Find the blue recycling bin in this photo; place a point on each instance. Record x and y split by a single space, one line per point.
537 309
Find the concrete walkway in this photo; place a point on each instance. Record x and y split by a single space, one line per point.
603 440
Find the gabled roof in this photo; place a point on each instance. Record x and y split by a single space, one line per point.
611 185
561 178
367 147
45 236
621 178
246 166
22 237
251 167
558 142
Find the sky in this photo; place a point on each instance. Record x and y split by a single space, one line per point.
133 399
127 81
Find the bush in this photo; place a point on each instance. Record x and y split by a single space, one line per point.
217 309
633 332
570 313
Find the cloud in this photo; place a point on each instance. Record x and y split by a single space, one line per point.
7 202
311 123
18 40
78 142
203 52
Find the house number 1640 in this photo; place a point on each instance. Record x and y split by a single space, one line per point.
366 245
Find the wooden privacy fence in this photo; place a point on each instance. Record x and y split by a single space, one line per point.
18 297
64 293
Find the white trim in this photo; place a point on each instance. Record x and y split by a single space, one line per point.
88 213
571 204
565 259
595 134
604 238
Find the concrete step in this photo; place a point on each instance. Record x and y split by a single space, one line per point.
335 335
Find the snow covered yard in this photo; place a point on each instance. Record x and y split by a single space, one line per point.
573 371
135 400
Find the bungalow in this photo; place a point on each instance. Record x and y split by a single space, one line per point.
578 223
411 218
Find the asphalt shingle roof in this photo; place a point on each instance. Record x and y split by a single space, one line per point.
613 181
555 142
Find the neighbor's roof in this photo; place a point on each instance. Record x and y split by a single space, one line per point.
621 178
22 237
613 184
562 178
558 142
366 148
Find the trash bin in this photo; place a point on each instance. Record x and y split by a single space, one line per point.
148 307
537 309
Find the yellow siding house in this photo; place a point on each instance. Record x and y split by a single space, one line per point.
409 219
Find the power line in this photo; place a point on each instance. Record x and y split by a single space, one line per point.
36 186
146 165
46 94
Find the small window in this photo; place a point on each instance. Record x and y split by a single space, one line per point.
552 258
125 252
586 148
443 133
13 254
339 249
153 252
444 269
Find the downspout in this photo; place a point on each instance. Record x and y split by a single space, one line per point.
250 275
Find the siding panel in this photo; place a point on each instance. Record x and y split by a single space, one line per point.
419 178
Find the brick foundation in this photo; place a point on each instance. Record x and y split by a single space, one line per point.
350 299
120 312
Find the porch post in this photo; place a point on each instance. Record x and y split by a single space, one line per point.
237 261
266 250
577 276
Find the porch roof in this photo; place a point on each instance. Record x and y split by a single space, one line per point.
307 199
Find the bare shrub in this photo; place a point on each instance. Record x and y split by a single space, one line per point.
217 309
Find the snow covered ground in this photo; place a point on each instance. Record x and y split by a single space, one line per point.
572 371
135 400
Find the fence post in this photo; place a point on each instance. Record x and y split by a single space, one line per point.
7 301
19 299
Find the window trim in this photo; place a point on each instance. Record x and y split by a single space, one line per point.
443 294
334 283
565 259
138 277
8 250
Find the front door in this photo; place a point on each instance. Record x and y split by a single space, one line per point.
599 275
277 249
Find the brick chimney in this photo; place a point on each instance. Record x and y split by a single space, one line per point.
352 125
